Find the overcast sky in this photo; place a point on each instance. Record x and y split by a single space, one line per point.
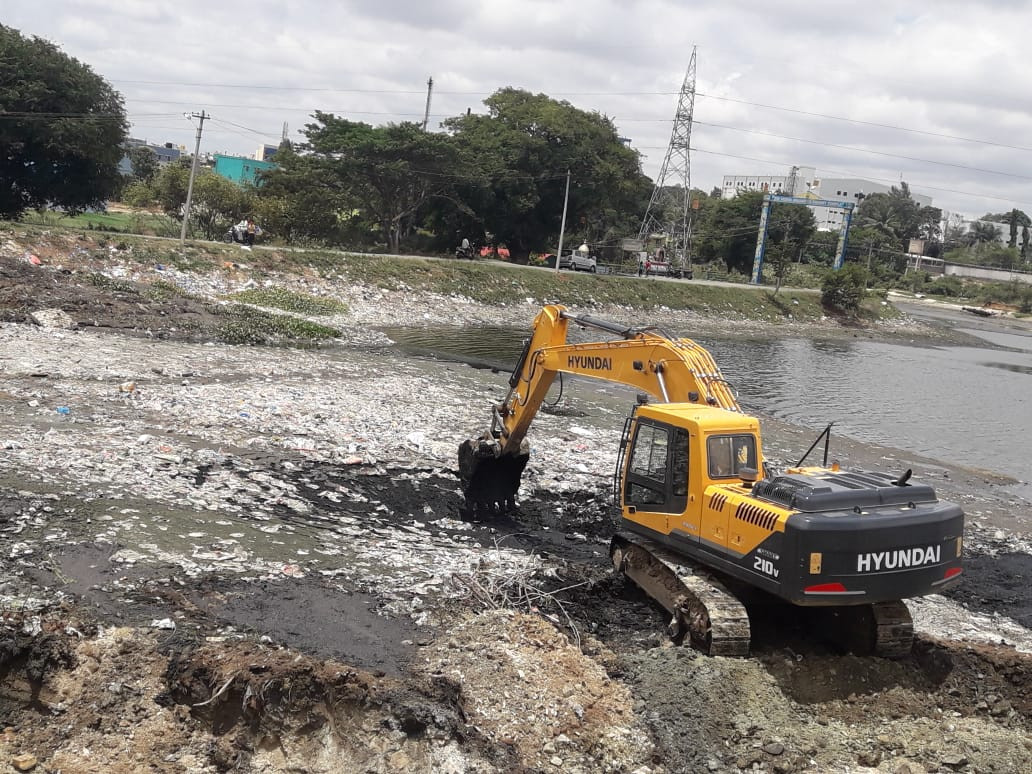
936 92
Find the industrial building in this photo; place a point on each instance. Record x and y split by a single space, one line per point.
805 183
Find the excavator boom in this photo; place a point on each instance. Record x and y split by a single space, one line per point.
671 370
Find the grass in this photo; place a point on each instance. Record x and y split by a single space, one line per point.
484 281
121 222
246 325
288 301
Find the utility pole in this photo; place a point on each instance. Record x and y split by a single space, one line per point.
562 228
429 92
193 172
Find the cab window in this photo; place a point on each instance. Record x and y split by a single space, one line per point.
728 454
650 453
657 474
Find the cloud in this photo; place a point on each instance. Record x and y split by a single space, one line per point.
937 67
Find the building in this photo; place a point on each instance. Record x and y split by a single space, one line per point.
240 169
165 154
266 152
804 182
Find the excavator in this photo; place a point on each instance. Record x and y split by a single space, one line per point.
705 520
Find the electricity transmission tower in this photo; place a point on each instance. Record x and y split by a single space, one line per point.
669 208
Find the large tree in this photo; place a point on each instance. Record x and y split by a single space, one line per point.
389 173
62 129
1016 220
728 229
897 215
300 202
144 163
520 153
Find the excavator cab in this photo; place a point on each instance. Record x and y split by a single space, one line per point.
670 455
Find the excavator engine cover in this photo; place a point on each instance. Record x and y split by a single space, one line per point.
490 480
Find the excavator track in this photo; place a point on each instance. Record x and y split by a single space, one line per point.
699 604
881 629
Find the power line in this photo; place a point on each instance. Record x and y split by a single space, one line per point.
866 123
915 184
864 150
632 93
19 116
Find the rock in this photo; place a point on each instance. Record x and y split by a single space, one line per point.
773 748
400 761
870 759
52 318
24 762
955 761
556 761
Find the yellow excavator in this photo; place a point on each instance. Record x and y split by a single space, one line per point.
702 513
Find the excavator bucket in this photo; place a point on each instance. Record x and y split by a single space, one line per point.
490 480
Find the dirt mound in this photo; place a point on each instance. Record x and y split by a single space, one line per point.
90 299
124 701
528 688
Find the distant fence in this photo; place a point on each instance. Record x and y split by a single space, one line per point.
988 273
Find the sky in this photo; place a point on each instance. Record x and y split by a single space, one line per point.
934 93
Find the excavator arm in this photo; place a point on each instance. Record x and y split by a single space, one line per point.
670 370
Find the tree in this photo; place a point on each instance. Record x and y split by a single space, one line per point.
982 232
1015 220
844 289
779 258
897 215
63 130
300 202
518 155
728 228
389 172
169 188
144 163
218 203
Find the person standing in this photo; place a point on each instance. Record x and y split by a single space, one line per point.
250 232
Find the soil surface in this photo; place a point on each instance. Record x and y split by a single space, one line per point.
244 558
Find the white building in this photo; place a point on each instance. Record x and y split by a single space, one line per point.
804 182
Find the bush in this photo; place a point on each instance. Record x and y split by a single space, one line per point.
945 286
844 290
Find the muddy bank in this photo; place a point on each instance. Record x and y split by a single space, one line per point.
242 558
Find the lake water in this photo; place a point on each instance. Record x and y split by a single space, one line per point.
970 405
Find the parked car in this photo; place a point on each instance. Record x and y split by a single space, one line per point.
579 261
665 269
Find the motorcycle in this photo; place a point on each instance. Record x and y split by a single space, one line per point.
465 252
234 234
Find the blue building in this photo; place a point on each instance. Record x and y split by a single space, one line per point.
240 169
165 154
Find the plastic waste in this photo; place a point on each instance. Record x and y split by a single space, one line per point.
63 410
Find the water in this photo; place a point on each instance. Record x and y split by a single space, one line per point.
968 405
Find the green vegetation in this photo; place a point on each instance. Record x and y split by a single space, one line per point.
142 223
111 284
280 298
246 325
163 290
844 290
70 163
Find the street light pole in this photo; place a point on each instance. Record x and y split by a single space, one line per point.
562 228
193 172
